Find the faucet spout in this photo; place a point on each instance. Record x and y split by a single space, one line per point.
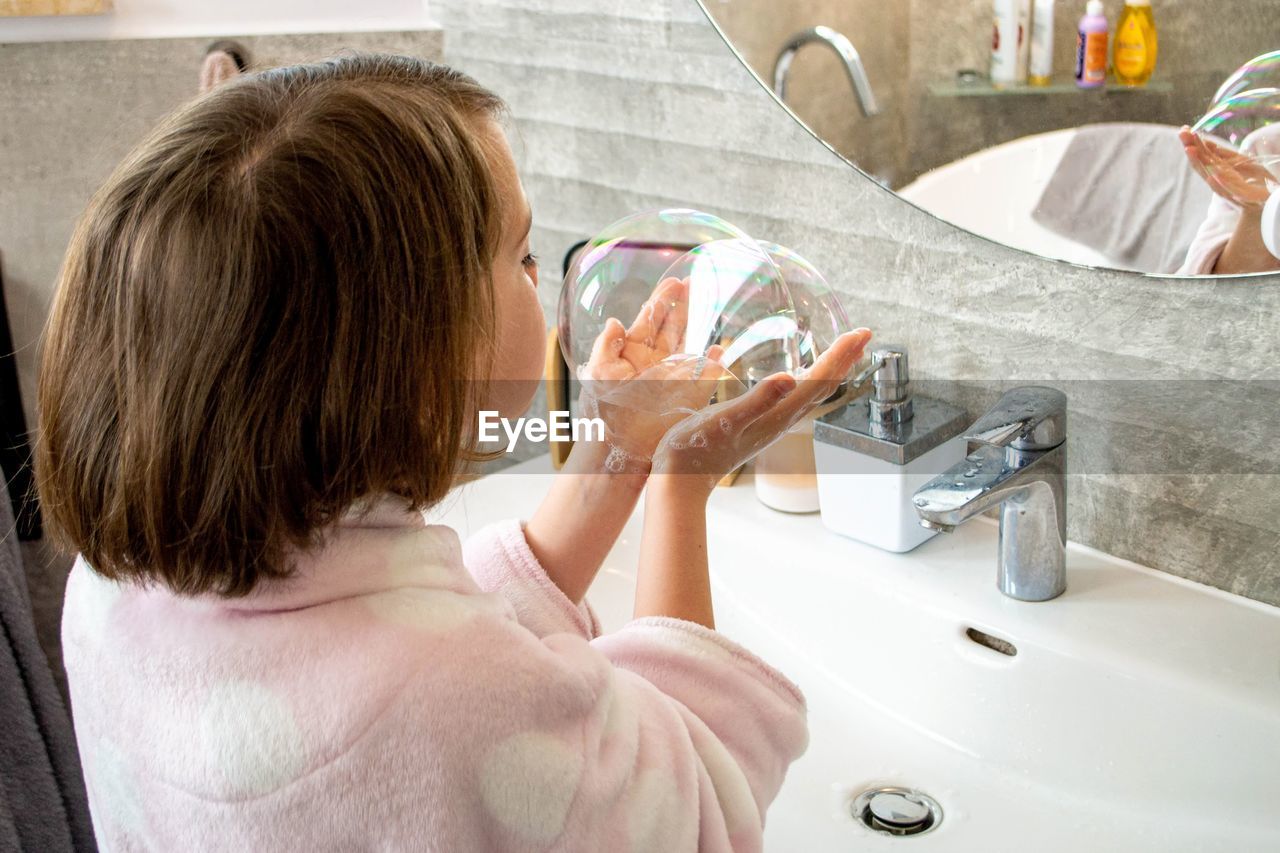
848 54
1028 485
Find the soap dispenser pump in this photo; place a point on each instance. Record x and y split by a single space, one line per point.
872 455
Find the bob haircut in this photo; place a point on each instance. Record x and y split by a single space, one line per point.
273 309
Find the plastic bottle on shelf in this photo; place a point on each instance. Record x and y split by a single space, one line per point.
1010 42
1091 47
1041 69
1135 48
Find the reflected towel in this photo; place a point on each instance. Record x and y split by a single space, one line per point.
1127 191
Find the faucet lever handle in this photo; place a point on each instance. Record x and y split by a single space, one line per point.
1031 417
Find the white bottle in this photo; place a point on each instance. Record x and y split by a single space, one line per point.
874 453
1041 70
1010 42
786 477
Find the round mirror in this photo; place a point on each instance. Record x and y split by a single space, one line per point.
1060 127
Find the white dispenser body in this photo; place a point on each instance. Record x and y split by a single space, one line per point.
869 499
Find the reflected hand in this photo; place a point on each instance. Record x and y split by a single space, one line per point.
1234 176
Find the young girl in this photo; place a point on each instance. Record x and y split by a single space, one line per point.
275 327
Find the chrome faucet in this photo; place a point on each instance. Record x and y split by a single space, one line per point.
843 48
1021 466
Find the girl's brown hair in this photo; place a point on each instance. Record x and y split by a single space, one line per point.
270 311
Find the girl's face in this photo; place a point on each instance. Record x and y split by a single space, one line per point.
521 328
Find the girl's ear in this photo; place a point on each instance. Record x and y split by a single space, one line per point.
225 60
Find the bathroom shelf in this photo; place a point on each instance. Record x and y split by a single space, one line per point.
984 89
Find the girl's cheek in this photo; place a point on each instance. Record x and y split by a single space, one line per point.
536 333
523 331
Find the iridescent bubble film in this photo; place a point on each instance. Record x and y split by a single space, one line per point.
820 316
1261 72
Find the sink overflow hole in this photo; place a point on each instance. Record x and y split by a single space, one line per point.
897 811
982 638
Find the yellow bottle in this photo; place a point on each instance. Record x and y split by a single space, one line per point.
1134 58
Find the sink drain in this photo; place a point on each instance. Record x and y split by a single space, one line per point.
897 811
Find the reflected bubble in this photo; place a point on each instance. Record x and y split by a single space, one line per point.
1243 137
1261 72
1235 119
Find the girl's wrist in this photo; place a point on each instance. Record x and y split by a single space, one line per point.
686 491
600 458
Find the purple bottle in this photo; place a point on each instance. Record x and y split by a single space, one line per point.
1091 47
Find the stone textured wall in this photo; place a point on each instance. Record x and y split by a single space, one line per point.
620 106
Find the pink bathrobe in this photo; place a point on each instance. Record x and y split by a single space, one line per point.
403 692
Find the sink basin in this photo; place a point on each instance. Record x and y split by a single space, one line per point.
1140 712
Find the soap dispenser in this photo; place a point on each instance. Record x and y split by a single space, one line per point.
872 454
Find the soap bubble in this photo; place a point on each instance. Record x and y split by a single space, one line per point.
687 286
1261 72
696 307
619 269
1243 134
738 301
819 315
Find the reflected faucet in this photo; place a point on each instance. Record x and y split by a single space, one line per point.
848 54
1020 466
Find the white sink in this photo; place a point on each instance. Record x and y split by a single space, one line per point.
1140 713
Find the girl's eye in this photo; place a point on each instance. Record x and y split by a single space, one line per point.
530 264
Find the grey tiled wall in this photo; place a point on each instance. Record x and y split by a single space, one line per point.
621 106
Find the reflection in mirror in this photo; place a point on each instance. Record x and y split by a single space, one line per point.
1132 134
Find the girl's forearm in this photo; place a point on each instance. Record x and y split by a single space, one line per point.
577 523
1245 251
674 580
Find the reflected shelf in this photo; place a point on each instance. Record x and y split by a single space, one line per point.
984 89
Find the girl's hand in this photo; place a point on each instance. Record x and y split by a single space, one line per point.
673 579
705 446
1236 177
658 331
632 382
